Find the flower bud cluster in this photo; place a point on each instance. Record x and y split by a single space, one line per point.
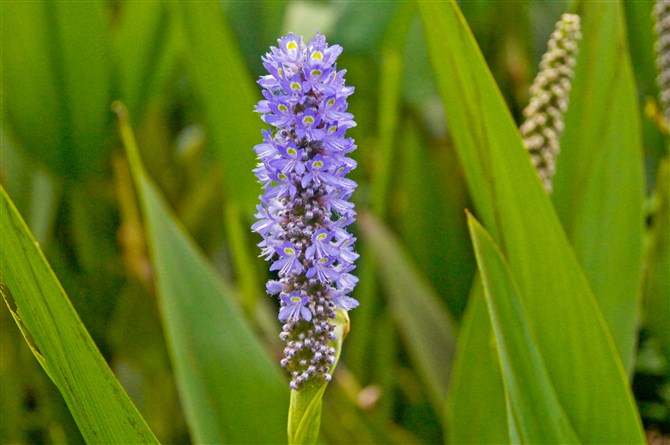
304 209
662 17
543 123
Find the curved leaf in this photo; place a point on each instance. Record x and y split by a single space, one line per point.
59 340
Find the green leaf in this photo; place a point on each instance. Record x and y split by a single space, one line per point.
231 390
424 322
602 146
59 340
56 71
304 415
476 404
510 200
536 414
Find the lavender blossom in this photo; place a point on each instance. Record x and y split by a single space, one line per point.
304 209
543 126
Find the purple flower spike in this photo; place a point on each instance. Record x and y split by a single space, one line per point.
305 208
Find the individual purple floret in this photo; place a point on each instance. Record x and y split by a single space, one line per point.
304 210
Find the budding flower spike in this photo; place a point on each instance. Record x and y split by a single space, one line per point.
304 209
543 125
662 18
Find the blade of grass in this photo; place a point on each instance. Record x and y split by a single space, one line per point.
60 342
475 412
536 413
510 200
232 392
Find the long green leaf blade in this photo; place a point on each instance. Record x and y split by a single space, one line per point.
535 410
510 200
598 187
231 390
475 413
59 340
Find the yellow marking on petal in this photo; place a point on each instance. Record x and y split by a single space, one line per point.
292 151
331 102
280 72
283 108
289 251
295 299
332 129
321 236
317 164
292 45
296 86
323 260
315 73
308 120
282 176
317 55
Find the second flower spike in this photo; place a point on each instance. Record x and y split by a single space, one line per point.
550 91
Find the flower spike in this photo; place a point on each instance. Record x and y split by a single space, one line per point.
543 126
304 208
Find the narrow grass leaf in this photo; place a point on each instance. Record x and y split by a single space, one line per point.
535 410
59 340
425 324
602 146
509 198
304 415
231 390
476 406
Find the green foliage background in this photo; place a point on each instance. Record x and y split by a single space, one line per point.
149 234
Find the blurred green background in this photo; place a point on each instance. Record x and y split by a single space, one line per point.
186 71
